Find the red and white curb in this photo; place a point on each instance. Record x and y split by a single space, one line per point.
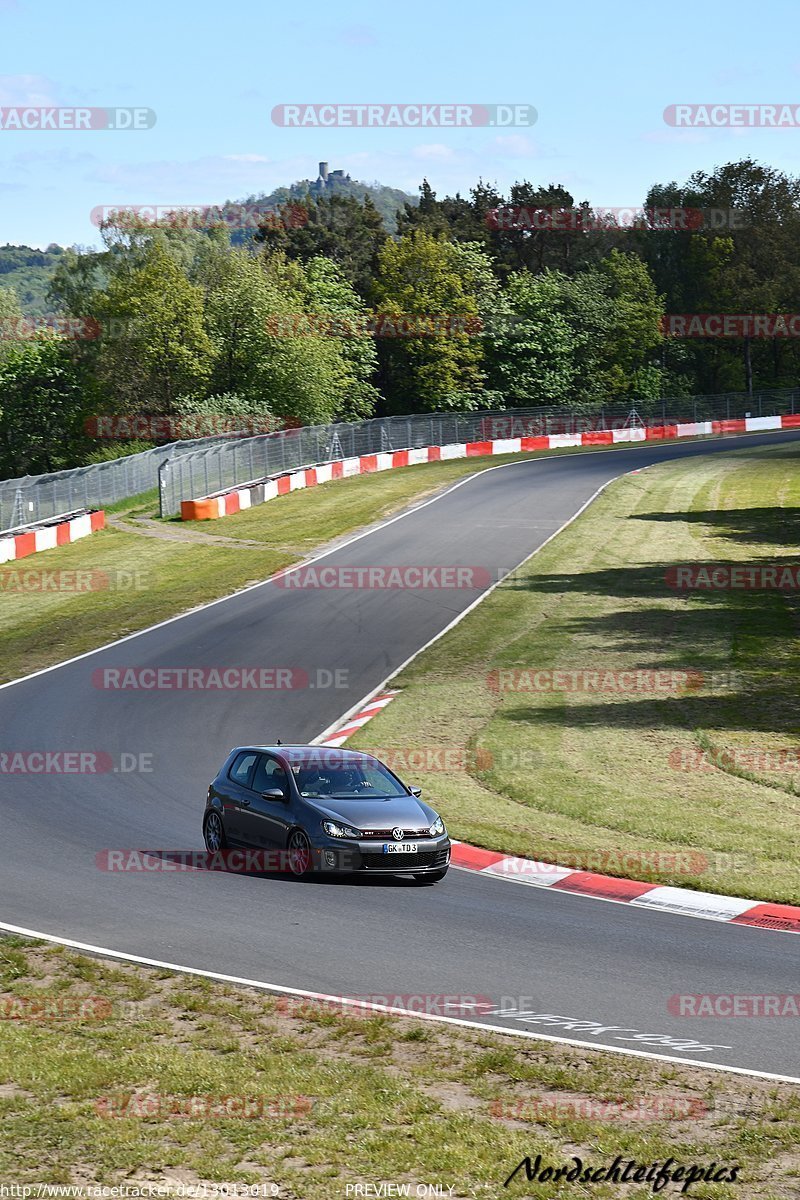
49 536
353 724
222 504
655 897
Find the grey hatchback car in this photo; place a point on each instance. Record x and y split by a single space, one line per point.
324 809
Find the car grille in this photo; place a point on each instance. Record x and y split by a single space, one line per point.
385 835
404 862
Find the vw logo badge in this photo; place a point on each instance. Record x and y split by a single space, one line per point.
398 835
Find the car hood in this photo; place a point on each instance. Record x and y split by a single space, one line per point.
404 811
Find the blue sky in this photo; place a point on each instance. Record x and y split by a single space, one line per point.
599 74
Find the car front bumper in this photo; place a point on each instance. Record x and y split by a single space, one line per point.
368 856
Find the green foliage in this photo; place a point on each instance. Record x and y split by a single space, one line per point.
117 450
277 326
424 276
41 407
153 345
28 272
577 340
348 231
9 313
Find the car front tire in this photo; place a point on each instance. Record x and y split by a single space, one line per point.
299 853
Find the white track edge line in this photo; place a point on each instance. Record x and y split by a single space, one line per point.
668 912
332 729
395 1012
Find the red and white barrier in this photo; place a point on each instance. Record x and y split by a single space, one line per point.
225 503
50 536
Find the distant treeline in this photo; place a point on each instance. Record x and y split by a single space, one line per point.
314 311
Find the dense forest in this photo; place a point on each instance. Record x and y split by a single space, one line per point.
330 310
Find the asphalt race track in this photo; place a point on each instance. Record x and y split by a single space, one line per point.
545 953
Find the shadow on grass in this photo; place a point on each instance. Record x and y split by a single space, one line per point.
750 712
763 697
742 525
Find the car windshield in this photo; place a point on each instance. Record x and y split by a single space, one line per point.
350 780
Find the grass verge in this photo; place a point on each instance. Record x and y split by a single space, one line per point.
696 786
340 1100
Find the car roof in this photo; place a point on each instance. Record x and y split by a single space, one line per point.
298 753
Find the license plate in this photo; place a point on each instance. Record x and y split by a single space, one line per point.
399 847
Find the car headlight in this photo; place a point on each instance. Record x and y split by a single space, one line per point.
437 828
334 830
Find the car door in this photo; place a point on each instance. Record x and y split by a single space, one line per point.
236 795
266 820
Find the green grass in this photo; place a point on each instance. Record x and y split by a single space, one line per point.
370 1099
579 777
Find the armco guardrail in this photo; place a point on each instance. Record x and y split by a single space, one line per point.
237 463
34 498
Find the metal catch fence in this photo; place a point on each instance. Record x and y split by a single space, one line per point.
187 470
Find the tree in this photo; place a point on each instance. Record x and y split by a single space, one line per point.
42 406
10 314
435 361
327 292
153 346
579 340
347 231
634 338
747 264
533 358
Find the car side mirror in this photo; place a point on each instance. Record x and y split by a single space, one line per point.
273 794
416 791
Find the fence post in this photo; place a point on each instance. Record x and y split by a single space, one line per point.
163 472
18 510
